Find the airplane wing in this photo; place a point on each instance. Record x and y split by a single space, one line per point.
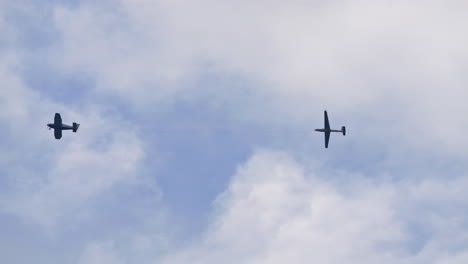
327 124
57 120
327 138
58 133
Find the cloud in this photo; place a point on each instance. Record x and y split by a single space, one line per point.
276 211
79 174
47 181
394 73
393 68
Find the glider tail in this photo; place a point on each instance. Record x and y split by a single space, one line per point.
343 130
75 127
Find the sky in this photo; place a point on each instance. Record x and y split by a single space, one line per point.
197 141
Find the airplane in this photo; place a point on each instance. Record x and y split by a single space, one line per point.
58 126
327 129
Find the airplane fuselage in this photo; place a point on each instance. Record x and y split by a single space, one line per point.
328 130
61 127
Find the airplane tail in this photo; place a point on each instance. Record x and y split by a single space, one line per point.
343 130
75 127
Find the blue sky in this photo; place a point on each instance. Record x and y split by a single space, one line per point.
196 142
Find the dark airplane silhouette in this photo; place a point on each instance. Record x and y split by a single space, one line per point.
327 129
58 126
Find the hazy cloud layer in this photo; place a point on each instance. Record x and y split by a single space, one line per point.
404 61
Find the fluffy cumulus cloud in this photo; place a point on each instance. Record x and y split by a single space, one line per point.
394 72
277 211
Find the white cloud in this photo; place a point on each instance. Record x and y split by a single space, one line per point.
45 180
80 173
274 211
74 170
395 68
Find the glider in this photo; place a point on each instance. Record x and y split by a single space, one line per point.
327 129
